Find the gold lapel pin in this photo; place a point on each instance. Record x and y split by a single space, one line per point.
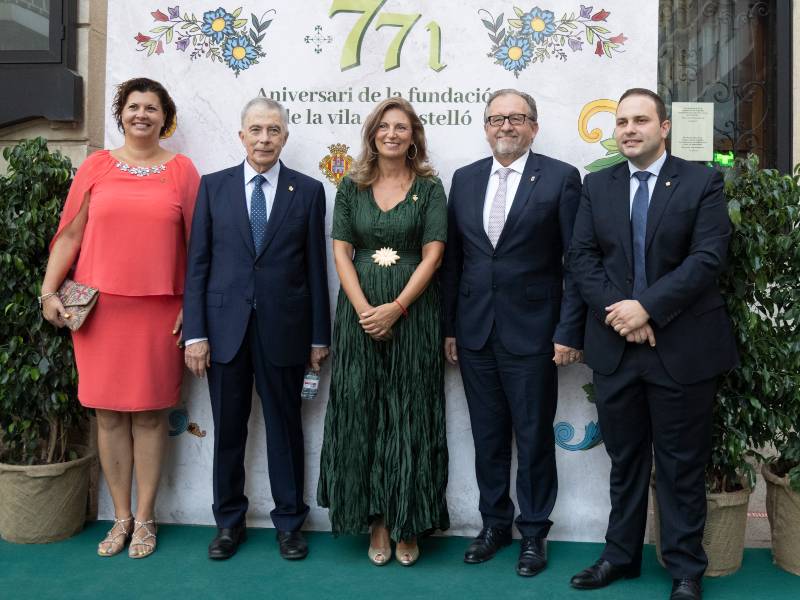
414 198
291 188
668 183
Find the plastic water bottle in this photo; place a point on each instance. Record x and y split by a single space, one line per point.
310 385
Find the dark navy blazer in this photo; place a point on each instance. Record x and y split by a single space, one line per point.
519 286
286 283
686 244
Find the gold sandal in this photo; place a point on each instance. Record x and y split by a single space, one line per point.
148 540
116 545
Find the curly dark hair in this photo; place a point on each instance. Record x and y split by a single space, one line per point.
143 84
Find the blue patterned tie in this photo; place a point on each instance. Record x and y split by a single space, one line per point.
258 212
641 200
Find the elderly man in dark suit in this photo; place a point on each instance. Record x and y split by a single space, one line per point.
510 317
651 238
256 306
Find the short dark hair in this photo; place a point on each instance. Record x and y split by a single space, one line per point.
143 84
661 109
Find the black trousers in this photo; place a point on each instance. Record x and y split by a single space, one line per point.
507 392
231 390
644 412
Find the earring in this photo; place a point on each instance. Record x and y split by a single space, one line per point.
412 156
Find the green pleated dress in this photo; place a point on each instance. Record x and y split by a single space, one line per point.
384 450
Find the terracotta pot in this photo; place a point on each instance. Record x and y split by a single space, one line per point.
783 510
44 503
723 536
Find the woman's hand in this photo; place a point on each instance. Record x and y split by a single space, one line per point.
176 330
54 312
377 322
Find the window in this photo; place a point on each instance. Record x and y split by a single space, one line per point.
37 61
736 54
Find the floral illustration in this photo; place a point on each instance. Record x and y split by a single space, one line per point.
220 36
537 35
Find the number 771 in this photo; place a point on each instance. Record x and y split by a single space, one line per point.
351 53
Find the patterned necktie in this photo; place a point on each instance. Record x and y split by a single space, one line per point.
258 212
497 214
641 200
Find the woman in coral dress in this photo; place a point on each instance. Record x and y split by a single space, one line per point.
124 230
384 453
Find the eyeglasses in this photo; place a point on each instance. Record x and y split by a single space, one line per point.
499 120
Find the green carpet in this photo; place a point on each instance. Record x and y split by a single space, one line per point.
338 568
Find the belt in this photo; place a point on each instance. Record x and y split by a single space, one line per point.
387 257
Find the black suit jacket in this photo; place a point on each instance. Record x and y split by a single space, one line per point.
686 245
286 282
519 286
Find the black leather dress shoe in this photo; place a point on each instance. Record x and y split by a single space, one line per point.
486 545
532 556
686 589
227 541
601 573
293 545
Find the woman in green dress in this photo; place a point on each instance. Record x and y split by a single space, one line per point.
384 453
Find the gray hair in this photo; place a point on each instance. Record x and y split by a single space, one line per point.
532 113
268 104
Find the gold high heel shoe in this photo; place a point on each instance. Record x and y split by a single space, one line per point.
407 557
379 556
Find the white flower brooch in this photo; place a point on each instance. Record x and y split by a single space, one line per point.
385 257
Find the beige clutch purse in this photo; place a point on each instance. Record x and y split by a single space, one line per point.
78 301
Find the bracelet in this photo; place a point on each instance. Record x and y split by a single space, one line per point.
403 308
44 297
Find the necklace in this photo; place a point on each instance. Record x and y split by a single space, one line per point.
140 171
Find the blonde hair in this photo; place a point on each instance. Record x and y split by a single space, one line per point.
364 171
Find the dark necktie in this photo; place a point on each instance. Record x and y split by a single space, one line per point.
258 212
641 200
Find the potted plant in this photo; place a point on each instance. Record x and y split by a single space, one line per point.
44 475
759 403
766 204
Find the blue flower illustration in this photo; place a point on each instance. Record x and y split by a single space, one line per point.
538 24
239 53
515 53
217 24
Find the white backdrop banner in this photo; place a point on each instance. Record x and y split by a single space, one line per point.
329 62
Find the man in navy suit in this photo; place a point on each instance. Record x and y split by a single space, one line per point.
256 306
650 240
510 317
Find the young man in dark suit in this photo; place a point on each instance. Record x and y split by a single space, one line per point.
256 306
651 237
510 317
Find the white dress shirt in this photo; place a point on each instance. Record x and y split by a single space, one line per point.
654 169
512 183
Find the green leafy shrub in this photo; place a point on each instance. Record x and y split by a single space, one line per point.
758 404
38 396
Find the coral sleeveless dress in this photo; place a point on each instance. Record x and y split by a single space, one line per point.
134 251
